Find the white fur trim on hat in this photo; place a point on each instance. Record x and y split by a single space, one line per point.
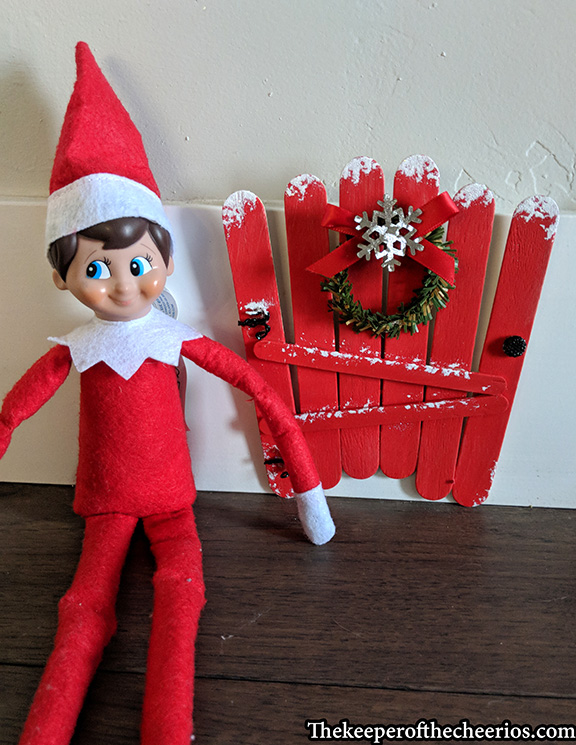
97 198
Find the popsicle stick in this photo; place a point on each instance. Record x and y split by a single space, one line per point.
305 203
454 408
250 255
415 183
455 334
448 410
443 378
361 186
519 287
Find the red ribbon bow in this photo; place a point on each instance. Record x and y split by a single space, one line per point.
433 214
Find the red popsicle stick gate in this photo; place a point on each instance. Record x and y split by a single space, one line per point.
404 405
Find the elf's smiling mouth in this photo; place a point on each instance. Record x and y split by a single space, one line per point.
123 303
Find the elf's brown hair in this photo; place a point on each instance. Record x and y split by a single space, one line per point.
119 233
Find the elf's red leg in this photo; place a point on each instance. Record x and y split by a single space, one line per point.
86 622
178 600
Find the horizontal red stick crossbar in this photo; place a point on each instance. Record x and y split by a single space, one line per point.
404 371
450 409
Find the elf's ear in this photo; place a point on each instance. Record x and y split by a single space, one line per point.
170 267
58 281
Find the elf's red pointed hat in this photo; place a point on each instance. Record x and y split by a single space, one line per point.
100 170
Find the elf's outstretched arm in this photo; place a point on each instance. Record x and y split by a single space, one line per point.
31 392
312 508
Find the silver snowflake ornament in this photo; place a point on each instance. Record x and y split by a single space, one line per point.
389 233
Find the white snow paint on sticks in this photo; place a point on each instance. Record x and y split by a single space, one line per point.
480 406
415 183
359 167
235 208
455 335
305 204
258 306
523 270
473 193
420 168
361 187
255 286
299 186
384 369
539 208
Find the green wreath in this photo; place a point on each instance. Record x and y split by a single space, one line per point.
431 297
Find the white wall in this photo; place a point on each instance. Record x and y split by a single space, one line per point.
247 94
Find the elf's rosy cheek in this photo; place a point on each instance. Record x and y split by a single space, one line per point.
152 283
93 292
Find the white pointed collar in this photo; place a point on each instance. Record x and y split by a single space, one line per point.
124 345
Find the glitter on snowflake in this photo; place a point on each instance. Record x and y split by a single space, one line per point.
389 233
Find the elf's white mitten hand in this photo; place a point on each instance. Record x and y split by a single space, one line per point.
315 515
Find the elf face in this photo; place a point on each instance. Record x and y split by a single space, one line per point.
118 284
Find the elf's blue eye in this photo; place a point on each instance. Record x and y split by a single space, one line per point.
97 270
140 265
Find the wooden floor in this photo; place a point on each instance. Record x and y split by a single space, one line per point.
413 611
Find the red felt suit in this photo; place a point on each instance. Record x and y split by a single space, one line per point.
129 469
134 461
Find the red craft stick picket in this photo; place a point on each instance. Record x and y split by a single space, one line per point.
361 186
519 286
454 408
445 378
415 183
454 335
250 255
305 204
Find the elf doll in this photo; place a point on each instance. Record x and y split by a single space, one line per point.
109 244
